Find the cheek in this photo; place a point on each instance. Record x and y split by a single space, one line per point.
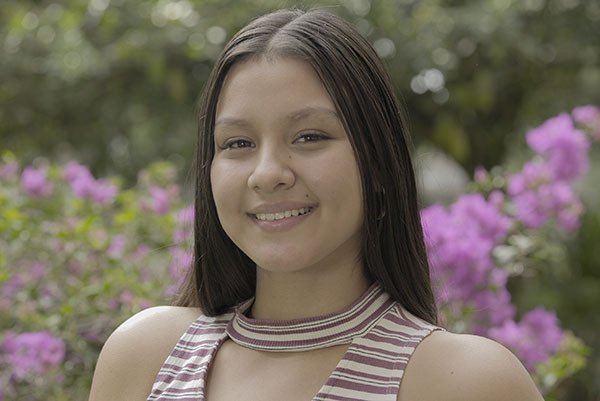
223 187
339 188
343 179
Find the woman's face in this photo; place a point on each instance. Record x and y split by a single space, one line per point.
284 177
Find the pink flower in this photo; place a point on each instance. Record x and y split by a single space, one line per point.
531 176
534 339
482 216
35 182
588 116
529 210
459 242
554 200
564 147
492 307
82 186
538 198
161 201
568 217
86 186
186 215
545 328
73 170
104 192
32 352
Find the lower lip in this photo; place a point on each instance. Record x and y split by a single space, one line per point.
283 224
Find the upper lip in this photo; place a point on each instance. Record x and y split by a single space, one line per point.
279 207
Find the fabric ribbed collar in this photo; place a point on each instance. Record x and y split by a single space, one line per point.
309 333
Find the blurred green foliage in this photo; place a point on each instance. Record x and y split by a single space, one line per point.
113 84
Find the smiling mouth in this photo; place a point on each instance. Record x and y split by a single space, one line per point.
283 215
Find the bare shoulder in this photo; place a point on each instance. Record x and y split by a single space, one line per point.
452 367
135 351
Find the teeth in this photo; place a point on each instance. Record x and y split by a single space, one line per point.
283 215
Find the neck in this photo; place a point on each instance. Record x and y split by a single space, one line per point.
297 295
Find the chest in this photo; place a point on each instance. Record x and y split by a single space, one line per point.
238 373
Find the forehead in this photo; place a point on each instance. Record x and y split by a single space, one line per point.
270 85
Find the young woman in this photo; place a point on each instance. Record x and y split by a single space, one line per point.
310 276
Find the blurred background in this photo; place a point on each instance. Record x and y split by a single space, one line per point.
114 85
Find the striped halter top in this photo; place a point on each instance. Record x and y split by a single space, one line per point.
381 333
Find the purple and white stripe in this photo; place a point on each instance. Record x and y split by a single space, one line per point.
183 375
310 333
381 333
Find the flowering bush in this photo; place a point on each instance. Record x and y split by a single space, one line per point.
503 229
80 255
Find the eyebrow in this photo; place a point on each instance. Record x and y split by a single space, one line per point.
296 115
310 111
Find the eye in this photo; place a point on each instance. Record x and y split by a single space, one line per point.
237 144
311 137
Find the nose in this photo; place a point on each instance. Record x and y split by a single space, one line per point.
272 171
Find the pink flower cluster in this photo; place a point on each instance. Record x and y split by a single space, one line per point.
543 189
460 240
34 182
538 196
85 186
563 147
161 199
535 338
31 353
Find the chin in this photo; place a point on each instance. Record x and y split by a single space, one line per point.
283 264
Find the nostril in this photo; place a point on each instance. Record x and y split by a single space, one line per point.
271 179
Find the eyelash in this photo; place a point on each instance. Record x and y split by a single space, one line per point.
317 136
231 144
313 135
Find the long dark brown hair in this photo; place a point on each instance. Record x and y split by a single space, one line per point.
393 250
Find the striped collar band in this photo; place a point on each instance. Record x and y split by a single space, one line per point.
309 333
